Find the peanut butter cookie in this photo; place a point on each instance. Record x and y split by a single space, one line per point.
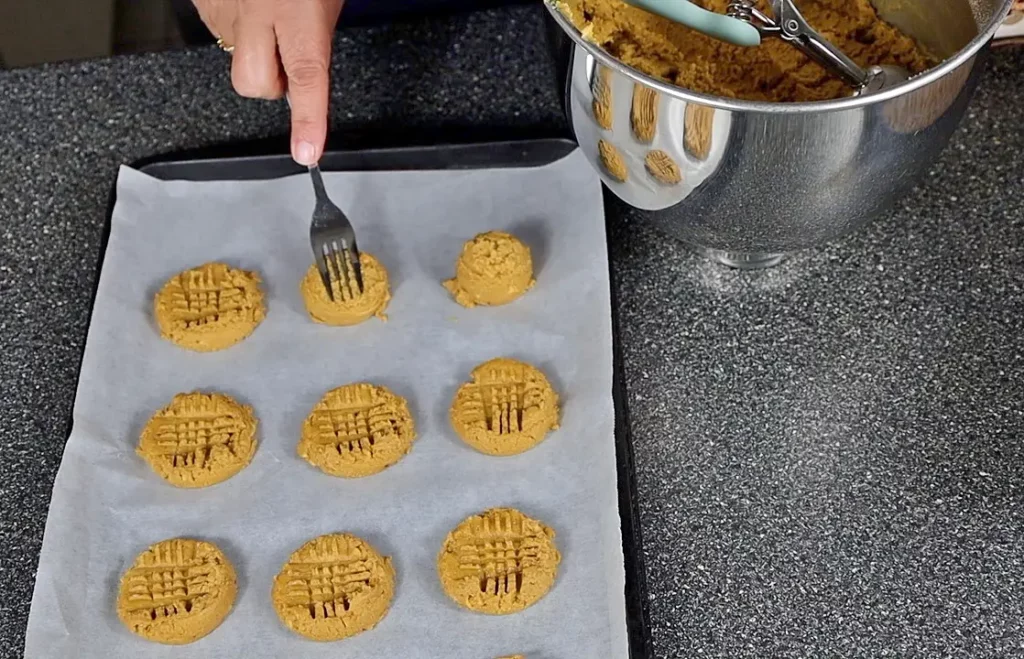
494 268
498 562
357 430
506 408
350 306
199 439
177 591
211 307
333 587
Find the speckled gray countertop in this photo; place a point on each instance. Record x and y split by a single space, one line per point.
830 454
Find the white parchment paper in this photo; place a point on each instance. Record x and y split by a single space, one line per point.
108 506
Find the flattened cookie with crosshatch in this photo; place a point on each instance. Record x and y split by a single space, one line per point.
211 307
333 587
357 430
199 439
350 306
498 562
506 408
177 591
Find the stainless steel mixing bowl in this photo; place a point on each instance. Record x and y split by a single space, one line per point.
761 180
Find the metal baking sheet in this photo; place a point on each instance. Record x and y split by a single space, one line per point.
73 632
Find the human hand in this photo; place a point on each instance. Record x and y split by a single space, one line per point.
281 46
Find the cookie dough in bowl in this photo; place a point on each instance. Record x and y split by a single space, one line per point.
494 268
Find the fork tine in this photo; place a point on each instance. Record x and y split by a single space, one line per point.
332 268
357 266
350 264
341 266
325 273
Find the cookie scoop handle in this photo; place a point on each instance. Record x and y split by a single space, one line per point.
719 26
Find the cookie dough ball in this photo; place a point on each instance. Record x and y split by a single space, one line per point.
498 562
177 591
494 268
357 430
506 408
333 587
349 306
199 439
211 307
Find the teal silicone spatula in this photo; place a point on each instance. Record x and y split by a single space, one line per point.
719 26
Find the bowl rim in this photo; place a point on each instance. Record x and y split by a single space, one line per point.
724 103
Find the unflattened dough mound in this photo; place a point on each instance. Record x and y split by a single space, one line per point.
349 307
494 268
199 439
211 307
177 591
506 408
333 587
498 562
357 430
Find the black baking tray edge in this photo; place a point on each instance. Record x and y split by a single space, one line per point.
260 160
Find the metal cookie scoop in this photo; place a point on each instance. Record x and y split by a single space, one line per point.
746 25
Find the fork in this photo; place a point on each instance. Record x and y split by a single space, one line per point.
334 243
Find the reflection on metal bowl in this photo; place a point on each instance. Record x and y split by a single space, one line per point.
757 181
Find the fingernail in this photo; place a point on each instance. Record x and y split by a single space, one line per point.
305 153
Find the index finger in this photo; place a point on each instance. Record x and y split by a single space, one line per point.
304 42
